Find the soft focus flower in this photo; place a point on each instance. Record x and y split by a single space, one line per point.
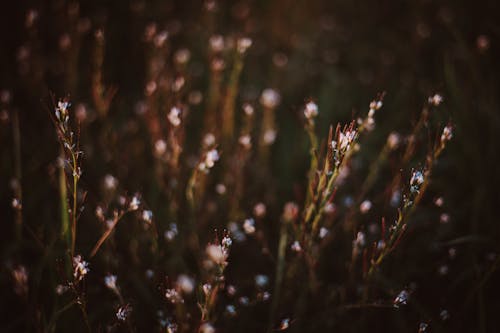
80 268
270 98
311 110
174 116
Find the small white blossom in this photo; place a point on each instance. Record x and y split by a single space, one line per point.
311 110
401 299
123 312
296 246
207 289
220 189
216 43
110 182
365 206
182 56
245 141
323 232
217 254
270 98
209 140
435 100
447 134
134 203
269 136
147 216
173 296
185 284
248 109
171 232
249 226
174 116
416 180
393 140
110 281
80 268
243 44
360 240
160 148
210 158
259 210
207 328
261 280
285 324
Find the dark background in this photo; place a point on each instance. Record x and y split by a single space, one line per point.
342 53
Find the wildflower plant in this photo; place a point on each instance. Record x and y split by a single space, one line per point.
203 144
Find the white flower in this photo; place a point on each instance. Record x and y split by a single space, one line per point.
216 43
245 141
248 109
243 44
296 247
209 140
323 232
210 158
416 180
259 210
110 281
345 139
185 284
207 328
269 137
393 140
435 100
182 56
285 324
261 280
171 232
401 299
123 312
160 147
173 296
270 98
249 226
134 203
147 216
447 134
311 110
359 242
365 206
80 268
110 182
173 116
217 254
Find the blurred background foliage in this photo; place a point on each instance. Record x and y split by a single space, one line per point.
341 54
